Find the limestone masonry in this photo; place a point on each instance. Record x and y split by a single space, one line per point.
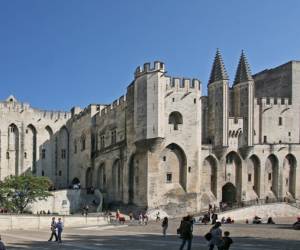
163 145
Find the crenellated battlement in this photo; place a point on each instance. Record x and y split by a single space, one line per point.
181 83
119 103
271 101
149 68
14 106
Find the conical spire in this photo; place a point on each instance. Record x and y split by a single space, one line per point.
243 72
218 71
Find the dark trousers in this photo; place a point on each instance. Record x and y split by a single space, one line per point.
211 247
53 233
59 235
189 244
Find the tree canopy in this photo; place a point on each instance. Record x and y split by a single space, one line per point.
17 192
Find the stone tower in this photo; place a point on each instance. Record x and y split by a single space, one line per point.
218 103
243 89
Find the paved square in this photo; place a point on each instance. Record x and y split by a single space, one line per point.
135 237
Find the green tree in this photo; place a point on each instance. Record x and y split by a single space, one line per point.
17 192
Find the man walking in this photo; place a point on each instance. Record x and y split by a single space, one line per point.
186 232
53 229
60 227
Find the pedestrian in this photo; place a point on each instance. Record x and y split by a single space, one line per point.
130 216
60 227
141 218
2 246
214 218
216 237
157 217
186 232
86 210
165 225
53 229
145 219
227 241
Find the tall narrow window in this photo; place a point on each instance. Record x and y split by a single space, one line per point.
63 154
75 146
113 137
265 139
280 121
169 177
102 141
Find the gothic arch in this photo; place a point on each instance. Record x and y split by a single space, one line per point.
101 177
89 178
289 175
233 173
175 118
117 180
12 153
210 172
175 164
30 147
253 171
50 131
271 176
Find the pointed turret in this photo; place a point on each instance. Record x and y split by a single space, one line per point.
218 71
243 73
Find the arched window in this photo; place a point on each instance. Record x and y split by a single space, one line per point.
175 118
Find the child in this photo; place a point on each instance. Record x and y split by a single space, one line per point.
227 241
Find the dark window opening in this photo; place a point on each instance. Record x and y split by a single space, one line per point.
270 176
249 177
289 133
25 155
280 121
63 154
190 169
43 173
59 173
265 139
164 158
169 177
195 100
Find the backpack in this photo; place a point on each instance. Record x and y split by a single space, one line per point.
208 236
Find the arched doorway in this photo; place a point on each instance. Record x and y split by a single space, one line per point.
229 194
233 173
271 176
173 163
89 178
210 174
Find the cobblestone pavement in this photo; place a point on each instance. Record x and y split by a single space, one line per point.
136 237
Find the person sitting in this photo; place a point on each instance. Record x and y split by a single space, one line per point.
256 220
296 225
270 221
228 220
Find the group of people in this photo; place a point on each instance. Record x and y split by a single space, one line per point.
56 229
214 236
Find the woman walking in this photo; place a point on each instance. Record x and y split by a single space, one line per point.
165 225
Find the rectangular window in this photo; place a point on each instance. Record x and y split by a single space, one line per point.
75 147
169 177
113 137
280 121
289 133
265 139
249 177
270 176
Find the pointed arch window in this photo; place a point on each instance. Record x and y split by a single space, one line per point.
175 118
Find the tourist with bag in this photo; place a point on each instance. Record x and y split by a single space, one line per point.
215 237
186 232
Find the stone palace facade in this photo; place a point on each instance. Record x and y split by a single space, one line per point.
165 145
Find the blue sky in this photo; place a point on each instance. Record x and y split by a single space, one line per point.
56 54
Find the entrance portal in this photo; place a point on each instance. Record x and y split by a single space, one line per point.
229 194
